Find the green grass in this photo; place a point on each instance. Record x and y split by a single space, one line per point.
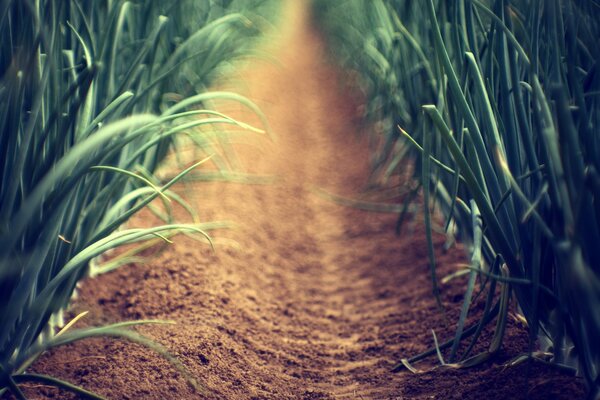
497 101
87 114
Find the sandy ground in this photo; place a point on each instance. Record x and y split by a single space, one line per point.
316 301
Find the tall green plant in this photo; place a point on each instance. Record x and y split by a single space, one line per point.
86 116
498 100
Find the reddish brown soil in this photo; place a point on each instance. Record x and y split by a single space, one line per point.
318 301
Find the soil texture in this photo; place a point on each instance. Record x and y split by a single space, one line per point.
304 298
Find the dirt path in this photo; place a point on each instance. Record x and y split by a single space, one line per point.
318 301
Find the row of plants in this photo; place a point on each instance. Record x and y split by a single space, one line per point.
92 97
497 104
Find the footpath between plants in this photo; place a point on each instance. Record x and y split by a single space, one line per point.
305 298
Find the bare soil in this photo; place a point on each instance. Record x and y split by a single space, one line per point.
317 300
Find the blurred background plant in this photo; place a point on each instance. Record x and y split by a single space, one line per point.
92 97
496 103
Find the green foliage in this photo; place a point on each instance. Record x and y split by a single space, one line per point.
499 102
88 110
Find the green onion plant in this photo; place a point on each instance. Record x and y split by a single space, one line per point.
93 94
497 104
